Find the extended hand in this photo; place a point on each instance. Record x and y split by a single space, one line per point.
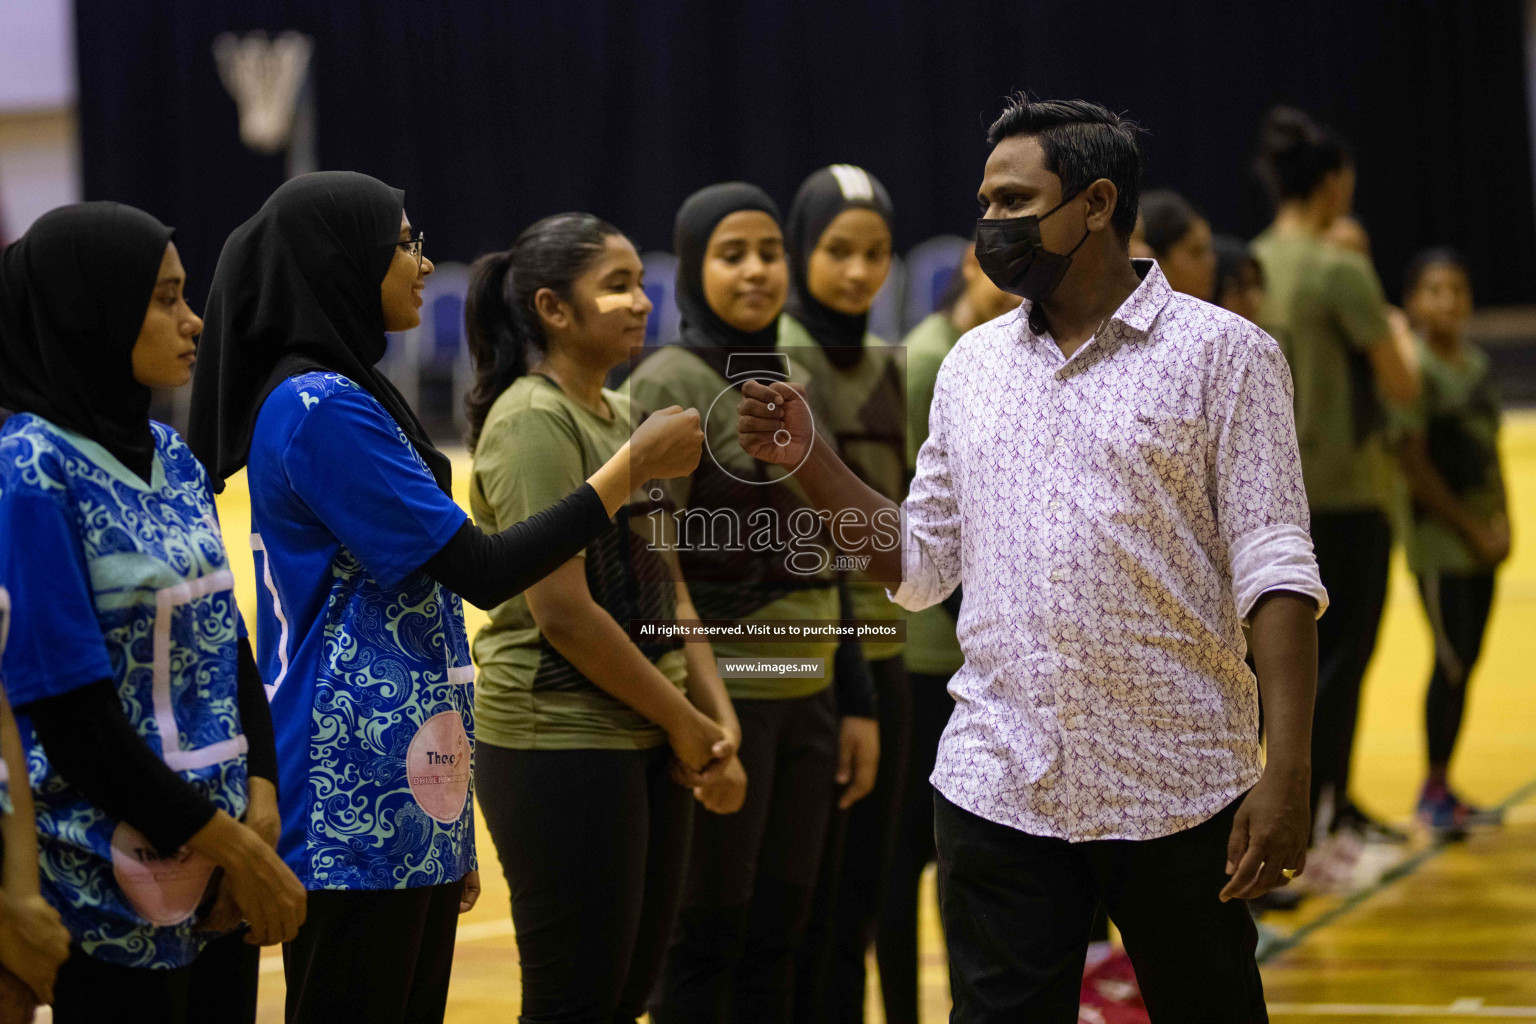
774 422
668 444
1269 836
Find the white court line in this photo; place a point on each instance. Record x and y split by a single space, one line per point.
1460 1008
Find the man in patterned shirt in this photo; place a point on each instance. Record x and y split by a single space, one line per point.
1112 474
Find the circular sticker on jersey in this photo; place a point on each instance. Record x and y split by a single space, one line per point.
437 765
164 891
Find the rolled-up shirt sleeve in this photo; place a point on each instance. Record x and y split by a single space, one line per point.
930 517
1261 502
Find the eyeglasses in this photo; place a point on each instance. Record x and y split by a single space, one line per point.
413 247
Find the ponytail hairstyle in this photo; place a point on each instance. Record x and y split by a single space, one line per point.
1295 154
500 320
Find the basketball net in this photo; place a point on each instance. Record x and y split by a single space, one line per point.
266 78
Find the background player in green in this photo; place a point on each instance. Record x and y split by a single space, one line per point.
1347 350
751 875
838 247
571 713
1454 521
932 651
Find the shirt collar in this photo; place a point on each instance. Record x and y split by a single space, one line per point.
1139 309
1142 306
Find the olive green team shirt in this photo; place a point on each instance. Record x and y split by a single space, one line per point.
1458 415
536 447
673 375
1324 304
862 408
932 647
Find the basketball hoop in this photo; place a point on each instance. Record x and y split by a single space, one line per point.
266 78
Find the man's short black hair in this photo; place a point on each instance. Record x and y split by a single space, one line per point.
1083 142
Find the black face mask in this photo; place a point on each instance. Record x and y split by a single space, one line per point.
1010 253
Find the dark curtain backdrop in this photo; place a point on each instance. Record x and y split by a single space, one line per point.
491 113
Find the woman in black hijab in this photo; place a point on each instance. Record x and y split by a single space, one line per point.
838 237
839 244
364 556
751 874
144 755
736 312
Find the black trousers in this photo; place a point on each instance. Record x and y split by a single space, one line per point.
751 875
855 869
594 846
1458 607
88 991
1017 909
381 956
1353 550
219 987
912 851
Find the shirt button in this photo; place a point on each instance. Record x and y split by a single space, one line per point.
1058 575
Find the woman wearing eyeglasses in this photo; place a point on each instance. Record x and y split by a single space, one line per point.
363 557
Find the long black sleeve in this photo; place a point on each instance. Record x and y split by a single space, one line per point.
487 569
855 685
255 718
94 747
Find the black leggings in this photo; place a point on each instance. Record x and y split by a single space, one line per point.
856 867
594 846
378 955
1458 608
751 875
219 987
896 938
1353 550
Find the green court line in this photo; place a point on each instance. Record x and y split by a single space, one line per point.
1272 944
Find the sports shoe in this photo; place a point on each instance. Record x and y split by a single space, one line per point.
1331 864
1369 829
1448 816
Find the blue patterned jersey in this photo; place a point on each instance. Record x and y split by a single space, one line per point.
120 579
5 625
364 655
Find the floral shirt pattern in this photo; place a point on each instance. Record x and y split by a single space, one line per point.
1113 518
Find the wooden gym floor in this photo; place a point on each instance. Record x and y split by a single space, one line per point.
1447 934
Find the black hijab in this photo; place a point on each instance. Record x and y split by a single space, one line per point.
73 293
824 195
297 289
702 330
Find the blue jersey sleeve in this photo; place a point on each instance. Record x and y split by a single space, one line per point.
55 642
350 464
